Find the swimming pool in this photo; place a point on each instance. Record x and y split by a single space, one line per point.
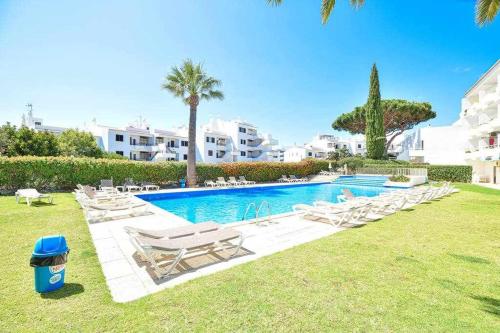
229 205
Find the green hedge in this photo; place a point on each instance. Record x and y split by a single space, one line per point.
63 173
453 173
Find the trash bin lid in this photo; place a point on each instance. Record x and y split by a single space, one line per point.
48 246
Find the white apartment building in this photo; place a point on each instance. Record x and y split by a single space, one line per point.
432 145
235 141
217 141
37 124
473 139
141 143
322 144
481 113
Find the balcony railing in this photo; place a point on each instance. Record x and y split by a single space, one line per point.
221 142
254 142
251 131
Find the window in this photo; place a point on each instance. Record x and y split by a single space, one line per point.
243 142
210 153
336 146
243 153
119 152
310 154
212 140
159 140
359 145
185 157
242 130
37 123
208 139
119 137
345 146
184 143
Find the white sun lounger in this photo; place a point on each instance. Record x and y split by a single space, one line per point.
31 194
284 179
234 182
147 186
169 252
210 183
222 182
189 230
243 180
295 179
334 217
99 212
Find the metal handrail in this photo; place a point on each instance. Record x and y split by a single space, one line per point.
248 208
262 205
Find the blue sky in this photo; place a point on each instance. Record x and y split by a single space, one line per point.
281 69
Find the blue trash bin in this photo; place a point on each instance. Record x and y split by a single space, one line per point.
182 183
49 260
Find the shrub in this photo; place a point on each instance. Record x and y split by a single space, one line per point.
51 173
353 163
399 179
453 173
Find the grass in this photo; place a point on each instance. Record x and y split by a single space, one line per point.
434 268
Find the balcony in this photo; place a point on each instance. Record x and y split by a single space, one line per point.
254 153
254 142
220 153
221 142
251 132
416 152
484 153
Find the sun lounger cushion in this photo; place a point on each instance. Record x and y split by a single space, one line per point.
177 232
191 242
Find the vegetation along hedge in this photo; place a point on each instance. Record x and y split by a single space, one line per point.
51 173
453 173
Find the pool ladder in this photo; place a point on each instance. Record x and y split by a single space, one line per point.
263 204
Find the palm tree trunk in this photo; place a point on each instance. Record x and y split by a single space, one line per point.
191 161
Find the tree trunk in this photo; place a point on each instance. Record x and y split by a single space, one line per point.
389 142
191 161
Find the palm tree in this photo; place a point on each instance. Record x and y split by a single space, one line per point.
486 10
191 83
326 7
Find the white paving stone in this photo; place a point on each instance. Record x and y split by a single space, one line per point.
129 280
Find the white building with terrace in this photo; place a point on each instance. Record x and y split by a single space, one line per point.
322 144
481 113
139 142
235 141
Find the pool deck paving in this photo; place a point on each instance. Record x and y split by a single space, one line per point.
129 279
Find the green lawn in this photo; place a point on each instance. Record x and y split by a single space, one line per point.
434 268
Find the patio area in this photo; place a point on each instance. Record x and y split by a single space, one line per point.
128 278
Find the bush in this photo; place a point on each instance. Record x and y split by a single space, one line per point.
353 163
399 179
452 173
63 173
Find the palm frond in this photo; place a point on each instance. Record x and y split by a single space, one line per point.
190 80
274 2
357 3
326 10
486 11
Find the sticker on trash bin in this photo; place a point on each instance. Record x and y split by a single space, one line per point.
55 278
56 269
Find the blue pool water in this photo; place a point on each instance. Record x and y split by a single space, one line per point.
229 205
